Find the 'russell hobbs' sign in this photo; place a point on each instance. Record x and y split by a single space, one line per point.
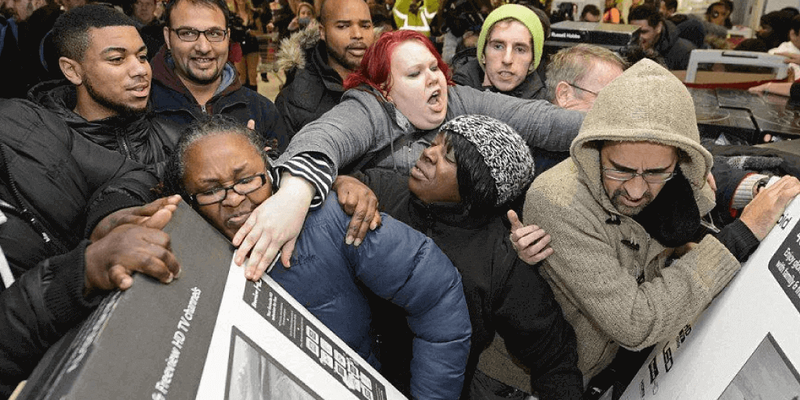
565 35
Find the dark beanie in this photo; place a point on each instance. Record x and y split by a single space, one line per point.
495 165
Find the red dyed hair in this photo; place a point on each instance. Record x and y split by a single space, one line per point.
376 65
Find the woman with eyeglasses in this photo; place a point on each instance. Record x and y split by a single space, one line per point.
220 167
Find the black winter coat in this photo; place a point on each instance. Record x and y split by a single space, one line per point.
51 178
143 138
674 49
311 91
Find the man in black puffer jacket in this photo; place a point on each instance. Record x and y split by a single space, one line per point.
85 151
49 176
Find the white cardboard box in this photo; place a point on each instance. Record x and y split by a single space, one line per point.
746 344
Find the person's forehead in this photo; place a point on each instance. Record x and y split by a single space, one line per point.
114 37
637 153
187 13
411 52
511 30
226 149
602 72
645 26
346 10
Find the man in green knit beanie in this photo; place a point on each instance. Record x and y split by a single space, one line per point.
509 51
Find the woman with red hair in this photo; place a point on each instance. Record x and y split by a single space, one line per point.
391 112
398 99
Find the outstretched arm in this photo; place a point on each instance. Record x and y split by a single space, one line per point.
767 206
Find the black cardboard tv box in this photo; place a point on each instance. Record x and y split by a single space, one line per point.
209 335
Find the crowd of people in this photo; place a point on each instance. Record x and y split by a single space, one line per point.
500 223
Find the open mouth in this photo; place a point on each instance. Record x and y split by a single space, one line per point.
203 60
357 49
140 88
506 74
434 99
416 173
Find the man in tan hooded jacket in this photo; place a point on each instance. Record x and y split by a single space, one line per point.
629 267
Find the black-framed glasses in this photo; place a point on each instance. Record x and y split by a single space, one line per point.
649 177
191 34
580 88
243 187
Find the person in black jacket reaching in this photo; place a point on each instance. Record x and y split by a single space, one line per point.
457 194
76 164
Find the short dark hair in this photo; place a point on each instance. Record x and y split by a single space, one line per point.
590 9
71 30
671 4
211 126
646 12
710 9
220 4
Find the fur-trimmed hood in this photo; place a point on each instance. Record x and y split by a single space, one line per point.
292 52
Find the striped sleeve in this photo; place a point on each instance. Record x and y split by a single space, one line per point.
315 168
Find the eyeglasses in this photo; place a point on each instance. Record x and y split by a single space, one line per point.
580 88
242 186
191 34
649 177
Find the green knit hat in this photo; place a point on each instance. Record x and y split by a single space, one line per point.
522 14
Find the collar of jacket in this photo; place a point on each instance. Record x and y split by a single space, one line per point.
452 214
60 97
531 88
391 110
319 60
669 35
164 74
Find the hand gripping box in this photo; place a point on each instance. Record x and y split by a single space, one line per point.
209 335
745 344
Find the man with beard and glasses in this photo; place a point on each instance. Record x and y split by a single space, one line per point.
318 61
192 78
68 159
631 198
